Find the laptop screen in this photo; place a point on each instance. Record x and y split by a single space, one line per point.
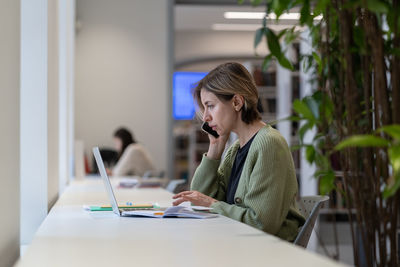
106 180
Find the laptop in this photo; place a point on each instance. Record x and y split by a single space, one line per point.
114 204
175 211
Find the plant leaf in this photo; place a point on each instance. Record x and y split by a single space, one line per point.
305 12
290 36
266 62
310 154
320 7
258 37
293 118
313 106
392 130
377 6
326 182
302 109
284 62
318 60
362 141
304 129
273 43
279 6
281 33
394 156
391 190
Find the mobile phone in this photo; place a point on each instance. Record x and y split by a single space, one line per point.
206 128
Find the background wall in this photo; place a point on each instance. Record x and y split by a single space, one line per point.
9 121
193 45
123 73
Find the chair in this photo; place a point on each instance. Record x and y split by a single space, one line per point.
153 173
109 156
309 207
173 185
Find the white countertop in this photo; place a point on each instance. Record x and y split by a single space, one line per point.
71 236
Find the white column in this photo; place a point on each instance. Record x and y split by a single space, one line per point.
284 100
39 113
308 184
71 8
33 116
66 9
53 102
10 130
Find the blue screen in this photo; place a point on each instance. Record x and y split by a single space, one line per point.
183 107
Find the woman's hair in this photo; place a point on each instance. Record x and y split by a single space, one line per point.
227 80
126 138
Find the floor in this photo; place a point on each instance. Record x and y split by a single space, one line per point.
327 246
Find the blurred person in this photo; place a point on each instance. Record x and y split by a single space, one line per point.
133 158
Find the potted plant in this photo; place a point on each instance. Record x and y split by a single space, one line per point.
355 109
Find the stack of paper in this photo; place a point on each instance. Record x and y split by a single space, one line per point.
176 211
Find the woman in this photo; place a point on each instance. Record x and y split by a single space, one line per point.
133 158
256 182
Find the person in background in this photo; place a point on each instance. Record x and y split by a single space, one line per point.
256 182
133 158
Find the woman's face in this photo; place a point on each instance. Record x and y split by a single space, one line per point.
117 144
220 115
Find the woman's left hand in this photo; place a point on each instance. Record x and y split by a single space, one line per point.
195 197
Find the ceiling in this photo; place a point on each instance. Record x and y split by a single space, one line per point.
191 17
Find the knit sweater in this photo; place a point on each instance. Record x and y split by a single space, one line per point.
265 196
134 161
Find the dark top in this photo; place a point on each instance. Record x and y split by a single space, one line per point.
237 168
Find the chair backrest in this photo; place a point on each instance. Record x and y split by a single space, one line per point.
109 156
153 173
309 207
173 184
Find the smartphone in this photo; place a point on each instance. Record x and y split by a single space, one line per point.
206 128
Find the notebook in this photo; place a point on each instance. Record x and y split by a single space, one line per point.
177 211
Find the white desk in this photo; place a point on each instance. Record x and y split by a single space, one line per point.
70 236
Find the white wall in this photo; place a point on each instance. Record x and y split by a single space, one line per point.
9 121
206 44
123 73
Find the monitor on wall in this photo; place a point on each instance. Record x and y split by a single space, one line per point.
183 106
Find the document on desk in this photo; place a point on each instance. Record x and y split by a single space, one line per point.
176 211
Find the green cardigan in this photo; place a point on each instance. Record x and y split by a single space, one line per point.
265 196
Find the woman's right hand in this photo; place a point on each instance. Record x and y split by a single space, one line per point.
217 146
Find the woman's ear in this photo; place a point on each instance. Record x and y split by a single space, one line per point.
238 102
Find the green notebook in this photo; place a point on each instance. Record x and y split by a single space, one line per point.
109 208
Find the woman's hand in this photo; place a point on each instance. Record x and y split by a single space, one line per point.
195 197
217 146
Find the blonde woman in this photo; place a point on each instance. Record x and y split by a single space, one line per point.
255 183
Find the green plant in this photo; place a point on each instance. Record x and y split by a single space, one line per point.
392 145
356 63
316 111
